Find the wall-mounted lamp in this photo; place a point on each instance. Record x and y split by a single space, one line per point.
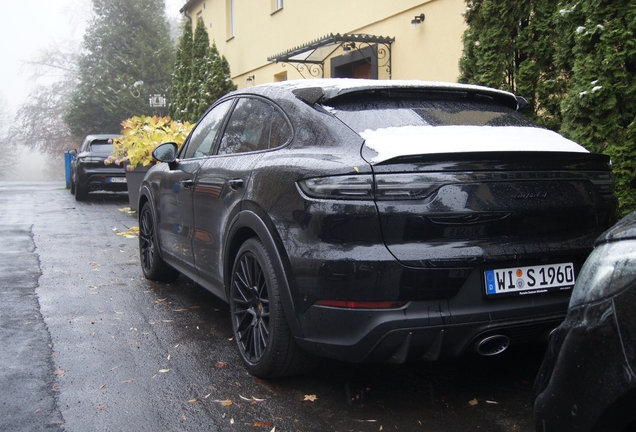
250 79
415 22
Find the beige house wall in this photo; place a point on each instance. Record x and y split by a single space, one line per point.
431 52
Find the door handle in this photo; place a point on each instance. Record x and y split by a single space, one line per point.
187 184
235 184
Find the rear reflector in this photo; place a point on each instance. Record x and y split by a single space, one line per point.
361 304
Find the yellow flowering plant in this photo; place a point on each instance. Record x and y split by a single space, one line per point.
140 136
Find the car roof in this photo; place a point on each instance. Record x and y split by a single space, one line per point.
100 137
323 90
624 229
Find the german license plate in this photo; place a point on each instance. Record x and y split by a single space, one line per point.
118 179
529 280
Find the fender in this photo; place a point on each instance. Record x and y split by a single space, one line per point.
248 218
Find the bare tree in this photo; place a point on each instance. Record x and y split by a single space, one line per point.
39 123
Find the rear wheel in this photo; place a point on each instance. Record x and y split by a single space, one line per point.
72 186
81 192
153 266
260 327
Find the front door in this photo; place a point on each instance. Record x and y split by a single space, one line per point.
176 195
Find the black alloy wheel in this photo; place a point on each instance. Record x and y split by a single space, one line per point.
258 320
153 266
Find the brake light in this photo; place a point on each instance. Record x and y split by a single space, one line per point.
413 186
339 187
348 304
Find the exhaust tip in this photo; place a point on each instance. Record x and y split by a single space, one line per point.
493 345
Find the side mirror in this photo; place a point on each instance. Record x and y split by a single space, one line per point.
73 152
166 152
521 103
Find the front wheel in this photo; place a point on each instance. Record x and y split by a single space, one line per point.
260 327
153 266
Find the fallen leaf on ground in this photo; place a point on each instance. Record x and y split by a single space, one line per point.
193 400
225 402
220 364
473 402
492 402
164 370
310 398
252 399
102 407
264 424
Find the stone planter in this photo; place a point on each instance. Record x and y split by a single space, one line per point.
134 179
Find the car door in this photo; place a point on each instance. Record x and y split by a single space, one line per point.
224 177
175 195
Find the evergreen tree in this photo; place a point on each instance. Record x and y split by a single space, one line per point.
201 75
510 45
599 109
217 81
128 57
182 74
200 65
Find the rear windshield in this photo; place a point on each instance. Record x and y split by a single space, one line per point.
379 113
104 148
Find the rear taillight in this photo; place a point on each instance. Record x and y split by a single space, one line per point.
413 186
339 187
388 186
348 304
603 182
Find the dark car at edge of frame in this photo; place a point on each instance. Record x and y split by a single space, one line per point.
89 173
375 221
587 381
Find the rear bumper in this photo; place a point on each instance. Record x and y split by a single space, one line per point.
418 331
102 179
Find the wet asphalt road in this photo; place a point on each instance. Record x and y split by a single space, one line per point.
89 345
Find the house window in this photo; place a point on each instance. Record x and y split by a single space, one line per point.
229 11
280 77
277 5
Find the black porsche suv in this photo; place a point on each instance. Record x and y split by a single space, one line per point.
375 220
88 171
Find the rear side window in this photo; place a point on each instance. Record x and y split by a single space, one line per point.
254 125
373 114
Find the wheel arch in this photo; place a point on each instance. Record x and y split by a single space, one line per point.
146 197
248 224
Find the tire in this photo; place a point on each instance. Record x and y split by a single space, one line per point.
260 327
81 193
152 265
72 187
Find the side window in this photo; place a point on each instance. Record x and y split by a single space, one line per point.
202 140
254 125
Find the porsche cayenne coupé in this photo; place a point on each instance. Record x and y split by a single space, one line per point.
375 221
